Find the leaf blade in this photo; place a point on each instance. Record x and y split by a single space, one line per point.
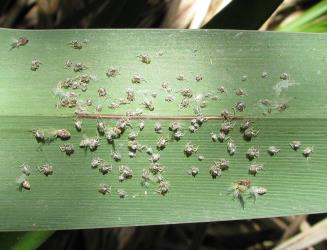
69 199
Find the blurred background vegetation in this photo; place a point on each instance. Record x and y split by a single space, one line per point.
297 232
291 15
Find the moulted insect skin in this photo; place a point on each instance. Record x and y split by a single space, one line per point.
203 104
193 171
25 169
141 125
215 171
96 161
185 103
148 150
214 137
132 135
245 125
130 95
26 184
21 41
101 127
163 187
165 85
78 67
169 98
197 126
178 135
68 148
148 104
255 168
137 112
104 189
46 169
116 156
252 153
102 92
158 128
222 90
190 149
227 115
23 183
122 193
307 151
255 192
240 106
273 150
123 101
156 168
241 92
63 134
265 102
200 119
39 135
281 107
154 157
239 188
226 127
137 79
223 164
112 133
192 129
91 143
78 125
144 58
85 78
114 105
112 72
244 182
231 147
66 99
284 76
68 64
174 126
214 97
146 177
75 44
201 158
198 78
221 136
125 173
122 124
162 143
35 65
131 154
105 168
89 102
249 133
181 77
295 145
186 92
134 146
98 108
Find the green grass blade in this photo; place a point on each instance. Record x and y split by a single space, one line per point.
319 25
23 240
309 16
243 15
70 199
